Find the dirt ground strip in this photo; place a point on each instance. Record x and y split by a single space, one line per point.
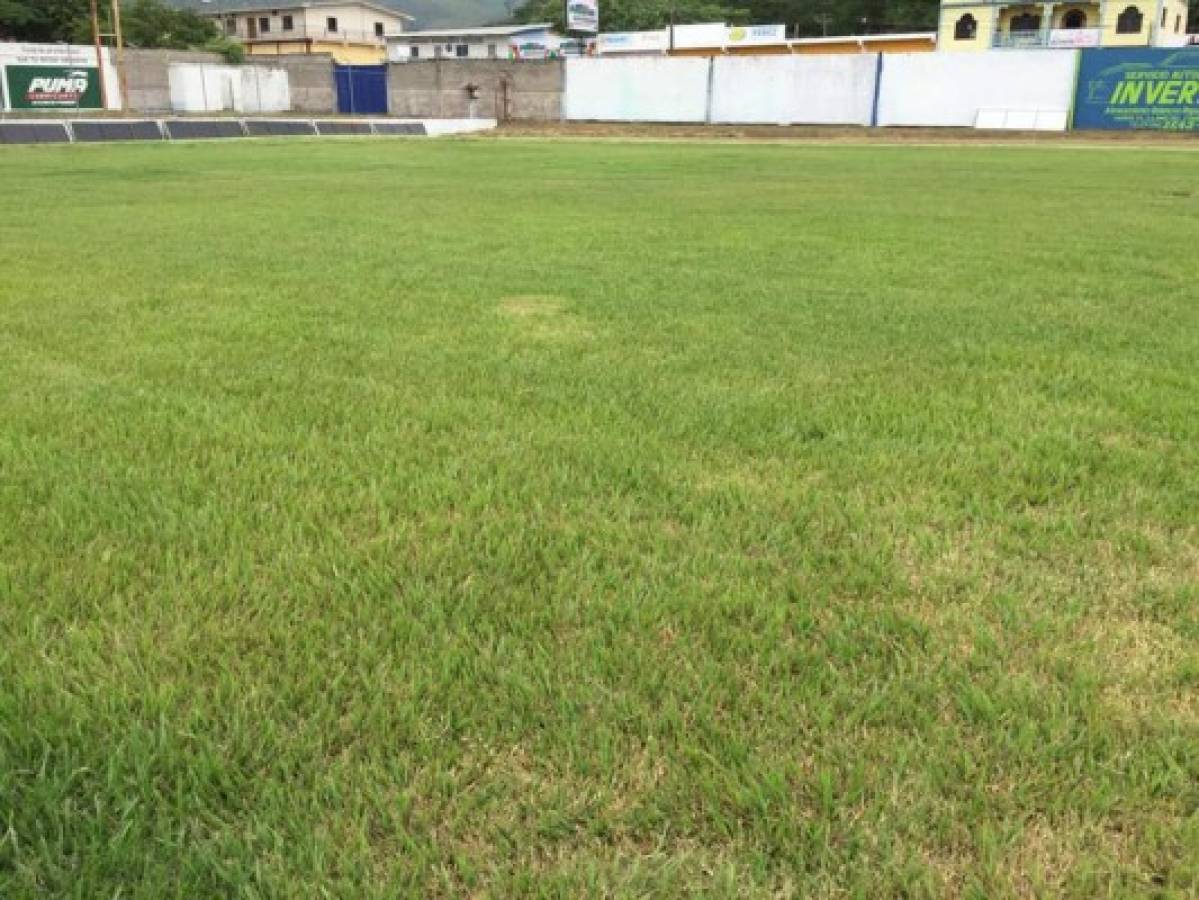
848 135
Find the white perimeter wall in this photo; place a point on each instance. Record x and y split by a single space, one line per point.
640 89
197 87
800 90
950 89
1017 87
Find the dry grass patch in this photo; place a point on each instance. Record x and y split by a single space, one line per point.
545 317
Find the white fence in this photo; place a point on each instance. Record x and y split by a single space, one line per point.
199 88
915 89
954 88
794 90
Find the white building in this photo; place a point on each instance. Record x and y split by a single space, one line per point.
352 31
535 41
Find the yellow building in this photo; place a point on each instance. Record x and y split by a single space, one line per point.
988 24
353 31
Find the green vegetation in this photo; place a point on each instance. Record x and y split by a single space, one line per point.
440 518
145 23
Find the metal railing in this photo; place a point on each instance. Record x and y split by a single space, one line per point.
341 36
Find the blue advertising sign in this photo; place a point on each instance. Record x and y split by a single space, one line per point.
1138 88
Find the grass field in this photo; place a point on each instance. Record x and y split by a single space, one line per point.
548 518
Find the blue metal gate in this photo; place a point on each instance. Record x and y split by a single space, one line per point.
362 90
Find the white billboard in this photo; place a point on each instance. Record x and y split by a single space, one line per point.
702 35
582 15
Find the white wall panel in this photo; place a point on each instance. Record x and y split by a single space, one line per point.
199 87
951 89
786 90
641 89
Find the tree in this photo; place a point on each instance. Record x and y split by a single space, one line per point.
815 17
149 23
40 21
803 17
146 23
638 15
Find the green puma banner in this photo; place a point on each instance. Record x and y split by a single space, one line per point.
53 87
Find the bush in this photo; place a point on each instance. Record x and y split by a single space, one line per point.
232 51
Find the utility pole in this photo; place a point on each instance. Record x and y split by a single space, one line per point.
99 57
118 36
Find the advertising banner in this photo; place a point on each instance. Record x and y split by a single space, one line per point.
1138 88
633 42
756 35
582 15
53 87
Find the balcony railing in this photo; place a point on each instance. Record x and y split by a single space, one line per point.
341 36
1056 37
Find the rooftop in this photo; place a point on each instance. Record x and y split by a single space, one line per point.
872 38
482 31
220 8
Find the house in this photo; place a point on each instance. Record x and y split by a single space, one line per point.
352 31
990 24
535 41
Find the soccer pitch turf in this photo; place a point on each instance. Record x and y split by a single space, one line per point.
557 518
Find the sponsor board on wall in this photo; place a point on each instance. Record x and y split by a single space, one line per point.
582 15
633 42
53 87
1138 88
756 35
703 35
65 59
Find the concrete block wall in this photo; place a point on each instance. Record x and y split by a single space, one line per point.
437 89
310 78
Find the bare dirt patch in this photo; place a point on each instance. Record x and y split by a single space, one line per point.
838 135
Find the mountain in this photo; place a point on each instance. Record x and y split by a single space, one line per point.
428 13
448 13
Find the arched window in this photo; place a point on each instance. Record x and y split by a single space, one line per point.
1026 22
1130 21
1074 19
967 28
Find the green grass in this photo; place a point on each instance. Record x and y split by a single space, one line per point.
528 518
